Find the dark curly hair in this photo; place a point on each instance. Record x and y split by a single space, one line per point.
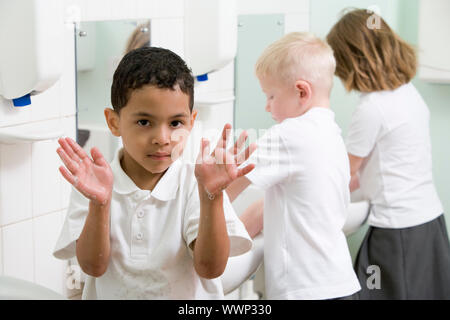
150 66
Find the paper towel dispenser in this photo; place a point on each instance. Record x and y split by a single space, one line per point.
434 41
31 55
210 35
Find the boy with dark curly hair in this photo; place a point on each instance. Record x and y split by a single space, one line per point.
150 226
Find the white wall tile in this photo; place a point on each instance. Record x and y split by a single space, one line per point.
98 10
68 93
15 183
18 256
146 8
270 6
169 8
169 34
76 10
1 252
49 271
46 183
296 22
69 126
122 9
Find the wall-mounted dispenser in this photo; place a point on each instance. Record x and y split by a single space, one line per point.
31 35
434 41
210 35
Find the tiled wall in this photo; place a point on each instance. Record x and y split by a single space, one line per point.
33 195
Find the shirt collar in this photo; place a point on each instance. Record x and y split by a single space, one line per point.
165 190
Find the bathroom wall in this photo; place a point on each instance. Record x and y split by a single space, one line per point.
33 195
437 96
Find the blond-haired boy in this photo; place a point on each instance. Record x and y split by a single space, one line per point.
302 165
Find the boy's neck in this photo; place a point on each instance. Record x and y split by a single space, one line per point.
143 179
320 101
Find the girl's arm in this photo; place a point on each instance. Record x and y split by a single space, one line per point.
355 165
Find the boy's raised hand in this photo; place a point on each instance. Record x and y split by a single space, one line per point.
216 171
91 177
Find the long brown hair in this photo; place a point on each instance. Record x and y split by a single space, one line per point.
370 57
139 38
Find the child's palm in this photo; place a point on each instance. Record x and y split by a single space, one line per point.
92 177
218 170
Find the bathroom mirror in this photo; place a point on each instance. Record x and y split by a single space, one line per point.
100 45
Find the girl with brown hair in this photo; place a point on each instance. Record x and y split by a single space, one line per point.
405 253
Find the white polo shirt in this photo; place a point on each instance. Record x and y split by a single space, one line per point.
391 130
303 166
150 235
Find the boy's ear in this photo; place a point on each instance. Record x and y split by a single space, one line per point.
193 116
304 90
112 119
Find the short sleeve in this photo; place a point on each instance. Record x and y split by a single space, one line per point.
271 159
364 130
73 225
240 241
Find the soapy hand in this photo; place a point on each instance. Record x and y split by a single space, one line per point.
218 170
91 177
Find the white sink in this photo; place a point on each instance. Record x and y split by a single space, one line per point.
357 215
17 289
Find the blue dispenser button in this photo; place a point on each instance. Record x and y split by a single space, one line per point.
22 101
203 77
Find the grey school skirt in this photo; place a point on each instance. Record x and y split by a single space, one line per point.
405 264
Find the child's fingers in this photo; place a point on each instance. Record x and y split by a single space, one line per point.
78 149
242 157
98 157
68 150
68 176
68 162
245 170
222 143
240 143
73 180
205 147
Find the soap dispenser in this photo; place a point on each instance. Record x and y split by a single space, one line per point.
31 55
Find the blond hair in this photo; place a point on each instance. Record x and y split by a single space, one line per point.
370 57
298 56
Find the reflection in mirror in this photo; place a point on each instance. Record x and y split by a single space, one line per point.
100 45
